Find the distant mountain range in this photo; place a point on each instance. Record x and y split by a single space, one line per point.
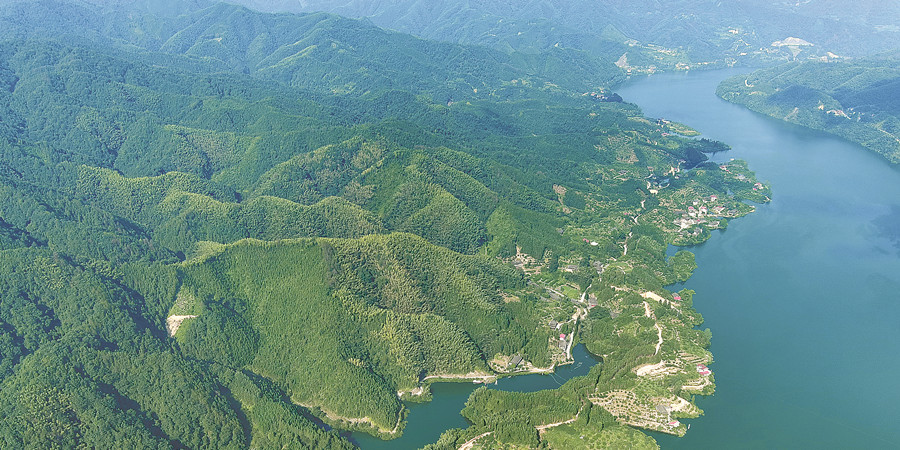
663 34
224 228
857 100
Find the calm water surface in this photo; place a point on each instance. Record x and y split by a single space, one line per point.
803 296
426 421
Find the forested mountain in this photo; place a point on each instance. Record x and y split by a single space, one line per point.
856 99
222 228
638 34
313 51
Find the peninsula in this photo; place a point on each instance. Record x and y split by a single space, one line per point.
222 228
608 291
851 98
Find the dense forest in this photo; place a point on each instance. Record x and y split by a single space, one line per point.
222 228
640 35
855 99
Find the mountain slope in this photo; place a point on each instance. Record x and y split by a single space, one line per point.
222 228
316 51
662 34
853 99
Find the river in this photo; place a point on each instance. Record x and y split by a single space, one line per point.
801 296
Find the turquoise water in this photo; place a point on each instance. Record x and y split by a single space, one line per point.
426 421
803 297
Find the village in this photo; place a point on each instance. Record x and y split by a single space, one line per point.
691 212
682 205
649 404
608 289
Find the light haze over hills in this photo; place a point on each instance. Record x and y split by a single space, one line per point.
226 227
702 29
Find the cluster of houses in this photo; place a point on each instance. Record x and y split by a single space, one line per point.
842 113
655 182
525 262
604 96
741 177
562 344
837 113
663 409
703 370
697 214
514 362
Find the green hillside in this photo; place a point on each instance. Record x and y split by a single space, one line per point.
370 316
319 52
854 99
638 35
221 228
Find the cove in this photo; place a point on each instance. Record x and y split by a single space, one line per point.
801 296
426 421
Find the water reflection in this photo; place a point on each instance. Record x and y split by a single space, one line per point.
888 227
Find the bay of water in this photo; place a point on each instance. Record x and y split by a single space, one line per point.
803 296
426 421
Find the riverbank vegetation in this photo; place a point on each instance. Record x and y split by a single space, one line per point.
851 99
615 276
223 229
639 37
